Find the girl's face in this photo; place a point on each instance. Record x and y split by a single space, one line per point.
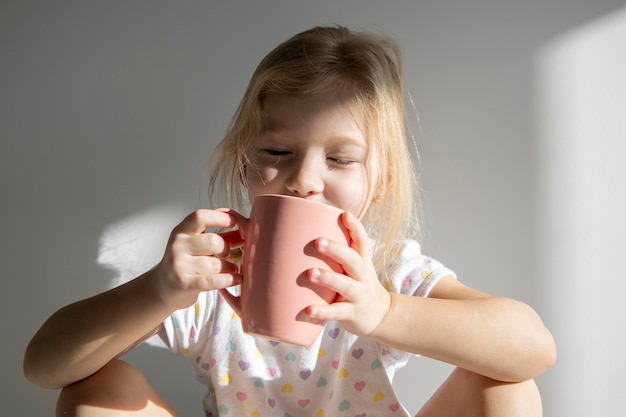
313 147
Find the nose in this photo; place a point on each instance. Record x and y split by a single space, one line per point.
305 178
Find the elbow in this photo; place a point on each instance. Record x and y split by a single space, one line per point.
541 349
532 350
34 369
537 354
546 354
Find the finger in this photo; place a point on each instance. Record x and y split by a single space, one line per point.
207 265
238 219
206 244
198 221
209 282
359 239
233 238
336 311
184 270
346 256
345 286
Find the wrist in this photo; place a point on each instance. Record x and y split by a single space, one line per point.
379 331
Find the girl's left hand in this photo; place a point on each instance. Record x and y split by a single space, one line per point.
362 301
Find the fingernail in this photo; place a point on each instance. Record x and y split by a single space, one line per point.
314 274
323 243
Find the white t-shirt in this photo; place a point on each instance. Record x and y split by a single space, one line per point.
340 374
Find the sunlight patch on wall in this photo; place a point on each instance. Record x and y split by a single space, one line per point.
135 244
581 155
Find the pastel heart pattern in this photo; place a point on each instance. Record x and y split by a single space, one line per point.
334 332
344 405
304 402
359 386
322 382
379 396
225 379
241 396
304 375
357 353
243 365
394 407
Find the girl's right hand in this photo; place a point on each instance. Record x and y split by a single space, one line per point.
195 261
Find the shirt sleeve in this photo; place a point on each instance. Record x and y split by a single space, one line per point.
183 329
412 274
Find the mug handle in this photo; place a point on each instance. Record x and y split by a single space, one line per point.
233 301
242 225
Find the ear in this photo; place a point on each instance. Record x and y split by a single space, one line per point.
382 189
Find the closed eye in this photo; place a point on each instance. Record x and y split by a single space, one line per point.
275 152
341 161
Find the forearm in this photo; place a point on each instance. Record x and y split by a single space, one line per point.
496 337
79 339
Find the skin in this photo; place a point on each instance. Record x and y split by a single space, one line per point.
298 155
315 149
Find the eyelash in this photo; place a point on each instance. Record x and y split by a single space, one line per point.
279 153
341 161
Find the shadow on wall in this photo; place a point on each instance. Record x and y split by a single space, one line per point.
581 154
130 247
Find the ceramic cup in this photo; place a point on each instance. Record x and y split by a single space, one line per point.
278 251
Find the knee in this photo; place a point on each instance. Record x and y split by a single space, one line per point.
466 393
118 386
517 398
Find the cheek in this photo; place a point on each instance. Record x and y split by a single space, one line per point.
354 195
260 179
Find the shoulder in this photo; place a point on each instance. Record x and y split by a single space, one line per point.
412 272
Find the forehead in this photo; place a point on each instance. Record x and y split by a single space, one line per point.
318 114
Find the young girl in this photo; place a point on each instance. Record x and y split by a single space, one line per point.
322 119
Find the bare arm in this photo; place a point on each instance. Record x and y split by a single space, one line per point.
81 338
500 338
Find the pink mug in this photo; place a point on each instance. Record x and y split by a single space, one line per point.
278 250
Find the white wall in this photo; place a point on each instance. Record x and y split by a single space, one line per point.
581 239
108 111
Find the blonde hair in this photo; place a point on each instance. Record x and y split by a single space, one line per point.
366 69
